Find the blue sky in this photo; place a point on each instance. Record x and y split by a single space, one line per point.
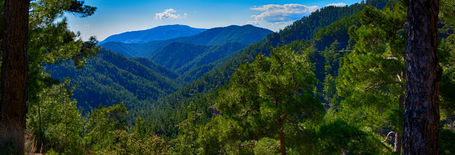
117 16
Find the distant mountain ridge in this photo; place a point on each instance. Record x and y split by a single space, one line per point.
193 56
158 33
246 34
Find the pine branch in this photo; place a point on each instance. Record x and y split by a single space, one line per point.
384 142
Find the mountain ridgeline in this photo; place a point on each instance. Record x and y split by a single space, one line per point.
216 36
158 33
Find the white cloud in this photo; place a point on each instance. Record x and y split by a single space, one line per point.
168 14
273 13
276 17
341 4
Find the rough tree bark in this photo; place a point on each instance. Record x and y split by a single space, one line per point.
14 76
421 126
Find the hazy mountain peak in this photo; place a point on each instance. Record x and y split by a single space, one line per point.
164 32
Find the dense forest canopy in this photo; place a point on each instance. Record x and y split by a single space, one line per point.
333 82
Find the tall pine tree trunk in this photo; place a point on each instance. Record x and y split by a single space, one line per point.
421 126
14 76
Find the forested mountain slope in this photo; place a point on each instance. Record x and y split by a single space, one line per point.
245 34
158 68
182 57
110 78
130 49
307 27
177 54
212 55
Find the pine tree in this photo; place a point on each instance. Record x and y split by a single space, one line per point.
372 79
266 96
57 120
51 42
